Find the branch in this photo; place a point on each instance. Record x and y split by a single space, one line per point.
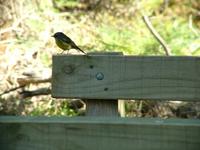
191 25
40 91
12 89
26 81
156 35
23 81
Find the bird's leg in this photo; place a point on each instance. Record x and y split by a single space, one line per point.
62 52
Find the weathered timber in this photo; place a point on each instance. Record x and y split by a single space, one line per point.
126 77
89 133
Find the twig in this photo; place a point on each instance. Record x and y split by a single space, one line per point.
12 89
164 6
156 35
191 25
32 80
40 91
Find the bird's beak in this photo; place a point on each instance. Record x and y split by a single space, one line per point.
52 36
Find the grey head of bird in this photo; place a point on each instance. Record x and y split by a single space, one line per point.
59 35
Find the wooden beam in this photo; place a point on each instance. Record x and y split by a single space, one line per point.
126 77
89 133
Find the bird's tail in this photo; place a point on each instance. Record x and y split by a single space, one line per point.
81 50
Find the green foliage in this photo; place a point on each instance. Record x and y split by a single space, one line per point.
53 108
178 35
116 39
149 6
138 40
69 3
130 41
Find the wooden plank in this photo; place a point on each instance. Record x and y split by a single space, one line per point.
126 77
89 133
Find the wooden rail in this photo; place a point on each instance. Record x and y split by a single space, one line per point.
126 77
97 133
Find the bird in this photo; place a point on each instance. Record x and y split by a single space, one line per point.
65 43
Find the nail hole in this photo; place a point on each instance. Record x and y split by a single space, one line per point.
91 66
105 89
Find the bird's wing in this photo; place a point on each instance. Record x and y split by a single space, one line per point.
66 39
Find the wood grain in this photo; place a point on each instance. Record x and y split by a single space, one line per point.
101 108
126 77
90 133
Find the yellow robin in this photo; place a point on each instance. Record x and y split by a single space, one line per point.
65 43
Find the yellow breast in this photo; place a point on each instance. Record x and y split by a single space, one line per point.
62 45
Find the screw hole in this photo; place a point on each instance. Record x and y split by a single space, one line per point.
105 89
99 76
91 66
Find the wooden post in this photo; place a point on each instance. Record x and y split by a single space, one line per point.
95 107
101 107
